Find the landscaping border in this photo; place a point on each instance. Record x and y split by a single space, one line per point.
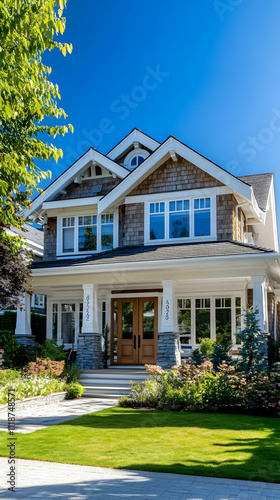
55 397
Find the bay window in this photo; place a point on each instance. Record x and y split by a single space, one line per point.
182 219
86 233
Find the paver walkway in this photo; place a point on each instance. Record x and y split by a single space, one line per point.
51 481
38 417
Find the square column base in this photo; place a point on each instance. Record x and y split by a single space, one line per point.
25 339
89 351
168 350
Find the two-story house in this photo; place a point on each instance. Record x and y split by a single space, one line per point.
157 242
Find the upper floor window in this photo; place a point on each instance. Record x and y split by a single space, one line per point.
83 233
135 158
181 219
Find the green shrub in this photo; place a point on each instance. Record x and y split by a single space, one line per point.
252 338
45 368
7 376
206 347
126 402
220 354
8 321
10 346
73 373
38 327
74 390
51 350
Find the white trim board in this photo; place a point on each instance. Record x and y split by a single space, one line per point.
134 136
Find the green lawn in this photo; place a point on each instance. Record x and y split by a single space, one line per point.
206 444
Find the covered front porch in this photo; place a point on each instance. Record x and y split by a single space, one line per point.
153 311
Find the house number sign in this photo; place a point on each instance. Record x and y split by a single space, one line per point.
167 308
87 307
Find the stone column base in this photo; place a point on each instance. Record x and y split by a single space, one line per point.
168 350
26 340
89 351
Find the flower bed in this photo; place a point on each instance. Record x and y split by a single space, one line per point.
199 388
31 386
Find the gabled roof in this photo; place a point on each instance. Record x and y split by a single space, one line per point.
135 135
73 171
261 184
159 156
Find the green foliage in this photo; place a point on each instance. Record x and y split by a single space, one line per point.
7 376
125 402
45 368
106 346
8 321
73 373
10 346
38 327
30 387
27 97
74 390
220 354
51 350
252 338
197 357
206 347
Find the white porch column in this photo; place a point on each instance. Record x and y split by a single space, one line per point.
167 315
23 324
90 309
260 300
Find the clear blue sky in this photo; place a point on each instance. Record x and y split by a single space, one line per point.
206 71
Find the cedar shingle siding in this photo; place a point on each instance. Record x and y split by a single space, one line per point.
50 239
131 224
86 188
176 176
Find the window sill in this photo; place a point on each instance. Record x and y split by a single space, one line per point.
174 241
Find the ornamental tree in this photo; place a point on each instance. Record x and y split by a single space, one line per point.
27 99
253 350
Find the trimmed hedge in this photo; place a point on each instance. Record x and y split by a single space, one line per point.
38 324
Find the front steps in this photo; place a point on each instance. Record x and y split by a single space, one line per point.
113 382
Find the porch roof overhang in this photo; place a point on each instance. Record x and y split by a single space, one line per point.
222 254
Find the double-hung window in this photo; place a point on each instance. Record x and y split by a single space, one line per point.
87 232
185 219
68 234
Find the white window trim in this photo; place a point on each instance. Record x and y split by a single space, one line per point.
132 154
212 297
42 303
59 316
191 238
59 242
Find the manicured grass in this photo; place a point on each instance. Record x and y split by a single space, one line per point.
206 444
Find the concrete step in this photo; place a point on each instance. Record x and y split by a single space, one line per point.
107 389
111 383
92 394
120 378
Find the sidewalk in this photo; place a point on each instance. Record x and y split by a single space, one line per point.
51 481
40 417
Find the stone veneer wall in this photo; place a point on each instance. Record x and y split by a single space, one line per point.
131 224
86 188
168 350
175 176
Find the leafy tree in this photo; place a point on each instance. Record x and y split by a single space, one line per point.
27 97
253 355
14 277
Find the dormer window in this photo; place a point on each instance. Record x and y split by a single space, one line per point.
137 160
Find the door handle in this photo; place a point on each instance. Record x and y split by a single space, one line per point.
134 341
139 341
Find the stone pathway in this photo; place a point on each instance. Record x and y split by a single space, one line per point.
38 417
51 481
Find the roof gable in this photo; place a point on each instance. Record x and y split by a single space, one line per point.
125 144
68 176
170 148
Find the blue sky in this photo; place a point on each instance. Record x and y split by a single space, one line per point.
206 71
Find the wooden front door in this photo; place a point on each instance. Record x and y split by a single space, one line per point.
135 327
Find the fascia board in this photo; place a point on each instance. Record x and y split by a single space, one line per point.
67 177
161 264
73 202
274 214
157 157
134 136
